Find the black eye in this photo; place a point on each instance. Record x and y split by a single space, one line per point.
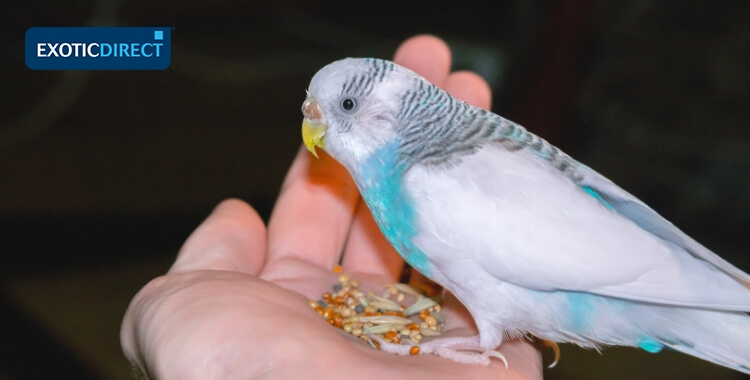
348 104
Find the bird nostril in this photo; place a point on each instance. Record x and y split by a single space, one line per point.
311 111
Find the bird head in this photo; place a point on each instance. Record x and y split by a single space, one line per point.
352 108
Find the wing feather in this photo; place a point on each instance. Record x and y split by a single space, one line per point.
528 223
632 208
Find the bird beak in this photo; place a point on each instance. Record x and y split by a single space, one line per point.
313 128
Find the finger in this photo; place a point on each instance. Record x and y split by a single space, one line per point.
427 55
232 238
367 250
469 87
311 218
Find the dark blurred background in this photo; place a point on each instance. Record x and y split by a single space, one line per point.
104 174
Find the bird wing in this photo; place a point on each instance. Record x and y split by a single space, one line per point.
524 221
639 213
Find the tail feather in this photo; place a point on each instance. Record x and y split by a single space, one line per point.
719 337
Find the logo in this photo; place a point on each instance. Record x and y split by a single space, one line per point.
98 48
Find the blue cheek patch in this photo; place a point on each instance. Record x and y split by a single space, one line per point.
382 190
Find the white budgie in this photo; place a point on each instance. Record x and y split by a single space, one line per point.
527 238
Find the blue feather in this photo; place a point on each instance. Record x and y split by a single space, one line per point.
650 345
581 310
590 191
382 190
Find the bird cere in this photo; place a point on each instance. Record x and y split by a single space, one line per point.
530 240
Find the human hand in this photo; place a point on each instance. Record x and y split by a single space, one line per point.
234 304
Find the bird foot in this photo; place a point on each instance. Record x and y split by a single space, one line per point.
458 349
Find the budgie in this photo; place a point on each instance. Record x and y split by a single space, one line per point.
528 239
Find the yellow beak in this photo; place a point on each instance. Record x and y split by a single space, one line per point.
313 134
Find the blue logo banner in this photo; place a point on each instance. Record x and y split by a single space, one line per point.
98 48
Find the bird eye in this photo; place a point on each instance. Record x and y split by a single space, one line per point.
348 104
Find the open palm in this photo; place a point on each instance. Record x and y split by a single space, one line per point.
234 304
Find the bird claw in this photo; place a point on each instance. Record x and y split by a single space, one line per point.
497 354
556 349
456 349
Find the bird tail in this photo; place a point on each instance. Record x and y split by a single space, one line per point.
716 336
